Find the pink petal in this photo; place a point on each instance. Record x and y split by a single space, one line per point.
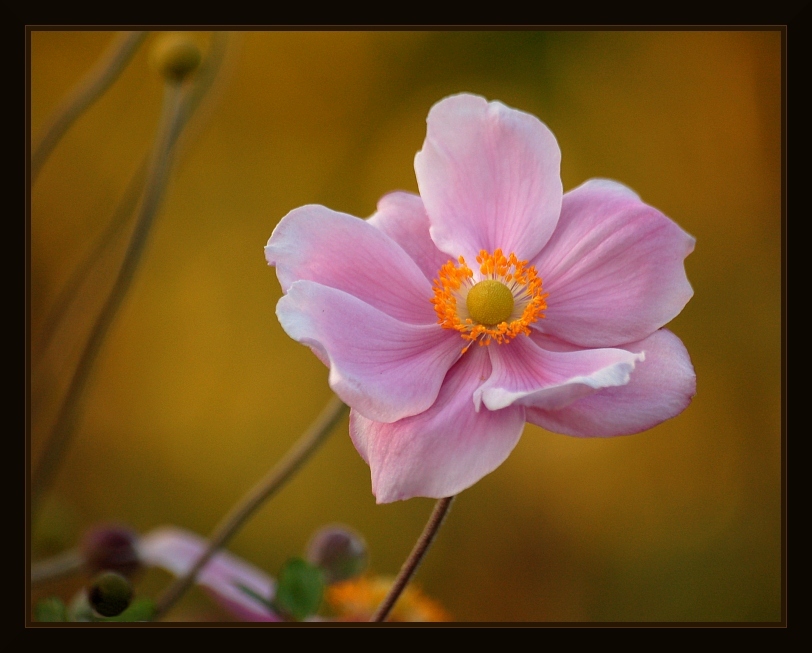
614 268
383 368
403 218
526 374
489 177
338 250
660 388
444 450
176 550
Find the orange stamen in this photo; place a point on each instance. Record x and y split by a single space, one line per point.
454 280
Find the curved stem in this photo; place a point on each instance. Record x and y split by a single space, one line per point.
409 567
156 183
304 447
90 89
70 290
203 80
178 110
64 564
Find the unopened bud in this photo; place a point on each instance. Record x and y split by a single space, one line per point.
176 56
339 551
110 594
110 548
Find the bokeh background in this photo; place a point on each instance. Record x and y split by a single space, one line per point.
198 391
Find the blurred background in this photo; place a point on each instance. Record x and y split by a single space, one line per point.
198 391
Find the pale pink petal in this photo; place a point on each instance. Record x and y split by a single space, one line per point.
384 368
490 178
177 550
334 249
526 374
403 218
614 268
444 450
660 388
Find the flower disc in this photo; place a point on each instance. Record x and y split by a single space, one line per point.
490 302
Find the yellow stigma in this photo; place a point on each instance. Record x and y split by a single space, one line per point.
489 302
494 304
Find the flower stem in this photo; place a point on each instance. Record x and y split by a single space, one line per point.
90 89
70 290
156 183
304 447
65 564
202 83
409 567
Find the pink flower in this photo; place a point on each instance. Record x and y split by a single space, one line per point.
562 296
240 587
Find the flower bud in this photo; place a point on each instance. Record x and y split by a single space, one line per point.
176 56
339 551
110 594
110 547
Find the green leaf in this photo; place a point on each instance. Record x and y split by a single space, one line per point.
50 610
299 590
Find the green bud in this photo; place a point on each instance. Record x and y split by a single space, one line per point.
139 610
339 551
176 56
50 610
110 594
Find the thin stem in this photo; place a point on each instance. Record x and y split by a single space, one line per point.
203 80
156 183
304 447
409 567
64 564
90 89
70 290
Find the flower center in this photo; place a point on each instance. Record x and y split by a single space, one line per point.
497 303
489 302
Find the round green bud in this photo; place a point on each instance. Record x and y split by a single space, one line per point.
490 302
176 56
110 594
339 551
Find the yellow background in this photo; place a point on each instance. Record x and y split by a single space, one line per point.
198 391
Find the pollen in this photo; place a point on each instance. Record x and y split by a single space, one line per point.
496 302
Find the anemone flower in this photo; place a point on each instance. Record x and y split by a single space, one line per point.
240 587
451 318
